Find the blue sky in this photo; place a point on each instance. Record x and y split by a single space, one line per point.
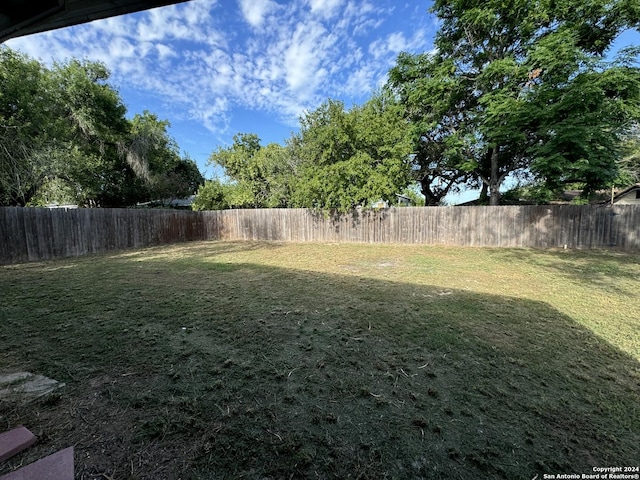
215 68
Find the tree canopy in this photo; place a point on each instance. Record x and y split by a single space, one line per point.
257 176
351 157
340 159
65 137
513 89
520 88
24 136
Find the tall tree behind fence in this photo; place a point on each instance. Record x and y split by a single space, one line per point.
29 234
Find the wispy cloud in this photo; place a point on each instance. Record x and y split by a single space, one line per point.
255 11
326 8
204 58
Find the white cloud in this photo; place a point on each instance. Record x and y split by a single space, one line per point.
304 56
121 48
200 60
254 11
395 43
361 81
366 26
326 8
165 52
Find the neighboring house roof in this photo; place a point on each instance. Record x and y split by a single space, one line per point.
24 17
570 196
631 194
57 205
403 199
180 203
567 197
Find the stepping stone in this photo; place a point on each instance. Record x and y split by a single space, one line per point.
15 441
58 466
11 378
26 384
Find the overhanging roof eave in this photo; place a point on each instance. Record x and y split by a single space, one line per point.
27 19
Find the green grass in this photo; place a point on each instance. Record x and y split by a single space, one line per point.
264 360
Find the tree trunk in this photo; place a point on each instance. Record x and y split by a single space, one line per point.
495 179
430 198
484 173
484 194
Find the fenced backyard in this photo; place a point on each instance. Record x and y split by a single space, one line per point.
31 234
300 345
223 360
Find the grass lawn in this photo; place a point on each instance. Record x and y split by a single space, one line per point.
222 360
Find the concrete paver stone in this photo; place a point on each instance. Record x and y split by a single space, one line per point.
58 466
14 441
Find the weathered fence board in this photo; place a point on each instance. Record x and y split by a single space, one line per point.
28 234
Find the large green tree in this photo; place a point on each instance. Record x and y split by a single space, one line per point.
351 158
520 87
64 137
340 159
93 128
155 158
25 139
440 124
212 195
257 176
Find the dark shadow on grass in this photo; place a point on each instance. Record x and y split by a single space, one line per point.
179 370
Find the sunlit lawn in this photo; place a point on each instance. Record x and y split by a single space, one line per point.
263 360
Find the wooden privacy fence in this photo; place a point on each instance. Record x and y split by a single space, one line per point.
544 226
28 234
38 234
